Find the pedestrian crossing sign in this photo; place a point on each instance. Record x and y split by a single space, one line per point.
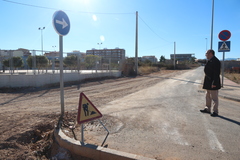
86 110
224 46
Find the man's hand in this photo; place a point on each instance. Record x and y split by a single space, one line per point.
213 86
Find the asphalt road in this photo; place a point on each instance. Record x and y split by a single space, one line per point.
155 116
163 122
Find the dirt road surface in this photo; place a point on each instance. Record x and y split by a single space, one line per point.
29 115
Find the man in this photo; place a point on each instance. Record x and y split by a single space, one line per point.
211 82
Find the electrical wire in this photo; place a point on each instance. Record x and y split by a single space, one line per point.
36 6
153 30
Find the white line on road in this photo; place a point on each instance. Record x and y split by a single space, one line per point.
213 141
173 134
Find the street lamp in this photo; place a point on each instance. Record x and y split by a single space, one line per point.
54 47
41 36
99 45
206 44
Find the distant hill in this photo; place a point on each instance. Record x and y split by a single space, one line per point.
229 59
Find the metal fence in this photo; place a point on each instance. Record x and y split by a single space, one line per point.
52 66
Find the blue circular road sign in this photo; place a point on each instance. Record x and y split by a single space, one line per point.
61 23
224 35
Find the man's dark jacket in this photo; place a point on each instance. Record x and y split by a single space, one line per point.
212 74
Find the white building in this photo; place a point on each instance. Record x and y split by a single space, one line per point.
153 59
77 53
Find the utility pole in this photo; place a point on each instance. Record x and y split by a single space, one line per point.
136 45
212 24
174 59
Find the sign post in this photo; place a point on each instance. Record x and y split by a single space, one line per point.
224 46
61 24
86 112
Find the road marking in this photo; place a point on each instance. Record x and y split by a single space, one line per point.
213 141
173 134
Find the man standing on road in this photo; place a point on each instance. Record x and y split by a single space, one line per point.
211 82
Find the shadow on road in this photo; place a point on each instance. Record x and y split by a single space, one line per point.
230 120
9 101
177 79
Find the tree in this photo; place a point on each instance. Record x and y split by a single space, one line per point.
193 59
70 61
162 59
90 61
17 62
41 61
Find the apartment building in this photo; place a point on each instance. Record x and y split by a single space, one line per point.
153 59
182 57
115 55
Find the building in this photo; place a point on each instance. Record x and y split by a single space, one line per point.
49 55
238 59
79 54
115 55
153 59
21 52
182 57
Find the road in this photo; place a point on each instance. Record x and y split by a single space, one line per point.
155 116
163 122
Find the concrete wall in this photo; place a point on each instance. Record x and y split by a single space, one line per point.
22 80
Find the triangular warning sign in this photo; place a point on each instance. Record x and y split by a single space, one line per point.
224 46
86 110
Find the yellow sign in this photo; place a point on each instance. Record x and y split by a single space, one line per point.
86 110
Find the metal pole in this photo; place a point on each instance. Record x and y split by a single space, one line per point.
11 62
61 74
223 68
78 62
174 59
136 45
82 134
34 62
212 24
206 44
110 61
41 37
106 130
42 41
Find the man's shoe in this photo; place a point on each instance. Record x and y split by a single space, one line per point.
205 111
214 114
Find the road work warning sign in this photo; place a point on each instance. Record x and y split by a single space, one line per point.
86 110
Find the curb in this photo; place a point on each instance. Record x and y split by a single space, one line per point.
230 98
93 151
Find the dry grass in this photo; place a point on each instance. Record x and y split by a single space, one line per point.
147 69
235 77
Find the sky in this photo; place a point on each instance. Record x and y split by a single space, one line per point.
112 23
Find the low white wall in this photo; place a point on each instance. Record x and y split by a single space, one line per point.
39 80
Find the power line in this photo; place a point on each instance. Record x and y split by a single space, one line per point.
36 6
153 30
30 5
